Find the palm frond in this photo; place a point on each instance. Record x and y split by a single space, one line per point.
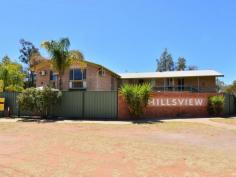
76 55
64 44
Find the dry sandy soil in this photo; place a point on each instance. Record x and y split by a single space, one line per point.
231 121
168 149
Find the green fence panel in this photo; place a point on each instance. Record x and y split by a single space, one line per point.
232 104
70 106
10 102
100 105
226 104
229 104
74 104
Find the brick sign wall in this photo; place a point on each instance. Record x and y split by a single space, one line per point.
170 104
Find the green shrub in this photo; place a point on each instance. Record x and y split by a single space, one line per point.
136 96
216 105
38 101
14 88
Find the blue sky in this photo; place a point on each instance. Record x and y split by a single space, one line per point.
127 35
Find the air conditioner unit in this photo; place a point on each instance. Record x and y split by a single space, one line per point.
77 85
84 84
70 84
43 73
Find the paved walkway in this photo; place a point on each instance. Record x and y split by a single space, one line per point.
206 121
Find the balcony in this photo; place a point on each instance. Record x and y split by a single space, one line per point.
182 89
77 85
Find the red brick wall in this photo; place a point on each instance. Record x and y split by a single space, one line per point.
99 83
43 80
166 110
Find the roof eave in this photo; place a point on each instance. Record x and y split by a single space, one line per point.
159 77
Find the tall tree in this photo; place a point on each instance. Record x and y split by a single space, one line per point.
181 64
60 55
11 73
220 85
231 88
27 56
165 62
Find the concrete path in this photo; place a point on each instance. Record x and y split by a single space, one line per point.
206 121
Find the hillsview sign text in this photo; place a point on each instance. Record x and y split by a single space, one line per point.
177 102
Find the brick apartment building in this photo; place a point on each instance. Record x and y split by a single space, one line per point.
81 75
85 75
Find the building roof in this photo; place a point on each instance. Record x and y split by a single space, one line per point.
47 63
172 74
98 65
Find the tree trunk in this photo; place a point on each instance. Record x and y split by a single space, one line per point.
60 82
31 83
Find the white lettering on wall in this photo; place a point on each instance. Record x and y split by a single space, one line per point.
176 102
198 102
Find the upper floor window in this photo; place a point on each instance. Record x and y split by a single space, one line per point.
77 74
53 76
43 73
112 83
181 84
101 72
169 82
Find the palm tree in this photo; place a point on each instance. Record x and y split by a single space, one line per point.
60 55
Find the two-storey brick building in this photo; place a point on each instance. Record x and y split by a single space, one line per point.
85 75
81 75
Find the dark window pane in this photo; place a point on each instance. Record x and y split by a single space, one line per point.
54 77
77 74
71 74
84 74
112 83
51 75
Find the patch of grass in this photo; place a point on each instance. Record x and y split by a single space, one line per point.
231 121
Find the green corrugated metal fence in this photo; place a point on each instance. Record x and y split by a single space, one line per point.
230 104
100 104
10 101
71 105
75 104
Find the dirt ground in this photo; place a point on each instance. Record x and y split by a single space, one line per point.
229 121
165 149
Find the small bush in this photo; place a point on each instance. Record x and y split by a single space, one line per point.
14 88
136 96
38 101
216 105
